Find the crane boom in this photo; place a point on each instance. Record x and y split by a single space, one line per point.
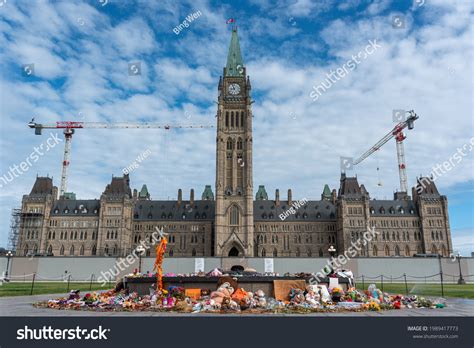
77 125
70 126
393 133
397 133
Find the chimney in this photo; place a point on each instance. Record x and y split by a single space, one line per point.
191 197
277 197
180 197
290 201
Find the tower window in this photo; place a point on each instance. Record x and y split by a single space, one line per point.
234 216
242 119
227 118
232 119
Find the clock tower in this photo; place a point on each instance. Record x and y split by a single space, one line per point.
234 187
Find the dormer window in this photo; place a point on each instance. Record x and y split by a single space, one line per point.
402 211
76 211
382 210
372 211
66 211
56 211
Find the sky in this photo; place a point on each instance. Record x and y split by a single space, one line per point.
75 61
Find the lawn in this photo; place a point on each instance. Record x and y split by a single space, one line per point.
24 288
450 290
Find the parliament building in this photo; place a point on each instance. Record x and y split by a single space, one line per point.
228 220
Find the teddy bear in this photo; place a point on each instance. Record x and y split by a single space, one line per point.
222 294
260 298
312 295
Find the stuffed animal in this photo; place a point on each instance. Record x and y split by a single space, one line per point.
260 298
324 293
223 293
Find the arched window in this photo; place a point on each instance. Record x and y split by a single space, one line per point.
239 144
193 253
171 253
387 251
232 119
308 252
61 251
375 252
25 250
407 250
320 252
434 249
106 249
298 253
237 119
275 253
242 118
50 250
229 144
71 250
81 251
264 253
397 250
115 250
234 216
227 118
94 250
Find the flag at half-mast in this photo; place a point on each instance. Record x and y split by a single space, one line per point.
230 20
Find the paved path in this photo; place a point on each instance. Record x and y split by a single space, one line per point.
22 306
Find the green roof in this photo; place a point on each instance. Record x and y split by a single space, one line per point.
235 62
261 193
326 192
144 192
70 195
207 195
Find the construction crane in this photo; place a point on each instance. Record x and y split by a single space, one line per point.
397 133
69 129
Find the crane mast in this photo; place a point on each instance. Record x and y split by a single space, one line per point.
397 133
69 129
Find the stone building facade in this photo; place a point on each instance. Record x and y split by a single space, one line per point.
234 222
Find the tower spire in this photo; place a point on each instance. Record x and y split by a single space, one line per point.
235 63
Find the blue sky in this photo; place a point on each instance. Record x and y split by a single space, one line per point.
81 51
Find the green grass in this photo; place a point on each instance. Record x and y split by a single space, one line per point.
24 288
450 290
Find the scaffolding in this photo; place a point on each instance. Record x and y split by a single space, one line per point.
15 223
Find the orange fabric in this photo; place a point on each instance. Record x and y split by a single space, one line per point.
193 293
239 294
160 251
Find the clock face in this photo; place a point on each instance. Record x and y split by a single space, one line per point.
234 88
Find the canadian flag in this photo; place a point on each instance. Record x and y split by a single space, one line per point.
230 20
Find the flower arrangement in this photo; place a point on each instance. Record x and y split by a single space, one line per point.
374 306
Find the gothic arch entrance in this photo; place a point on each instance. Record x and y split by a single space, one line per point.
233 252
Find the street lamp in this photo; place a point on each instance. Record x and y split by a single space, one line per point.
332 252
461 279
9 255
